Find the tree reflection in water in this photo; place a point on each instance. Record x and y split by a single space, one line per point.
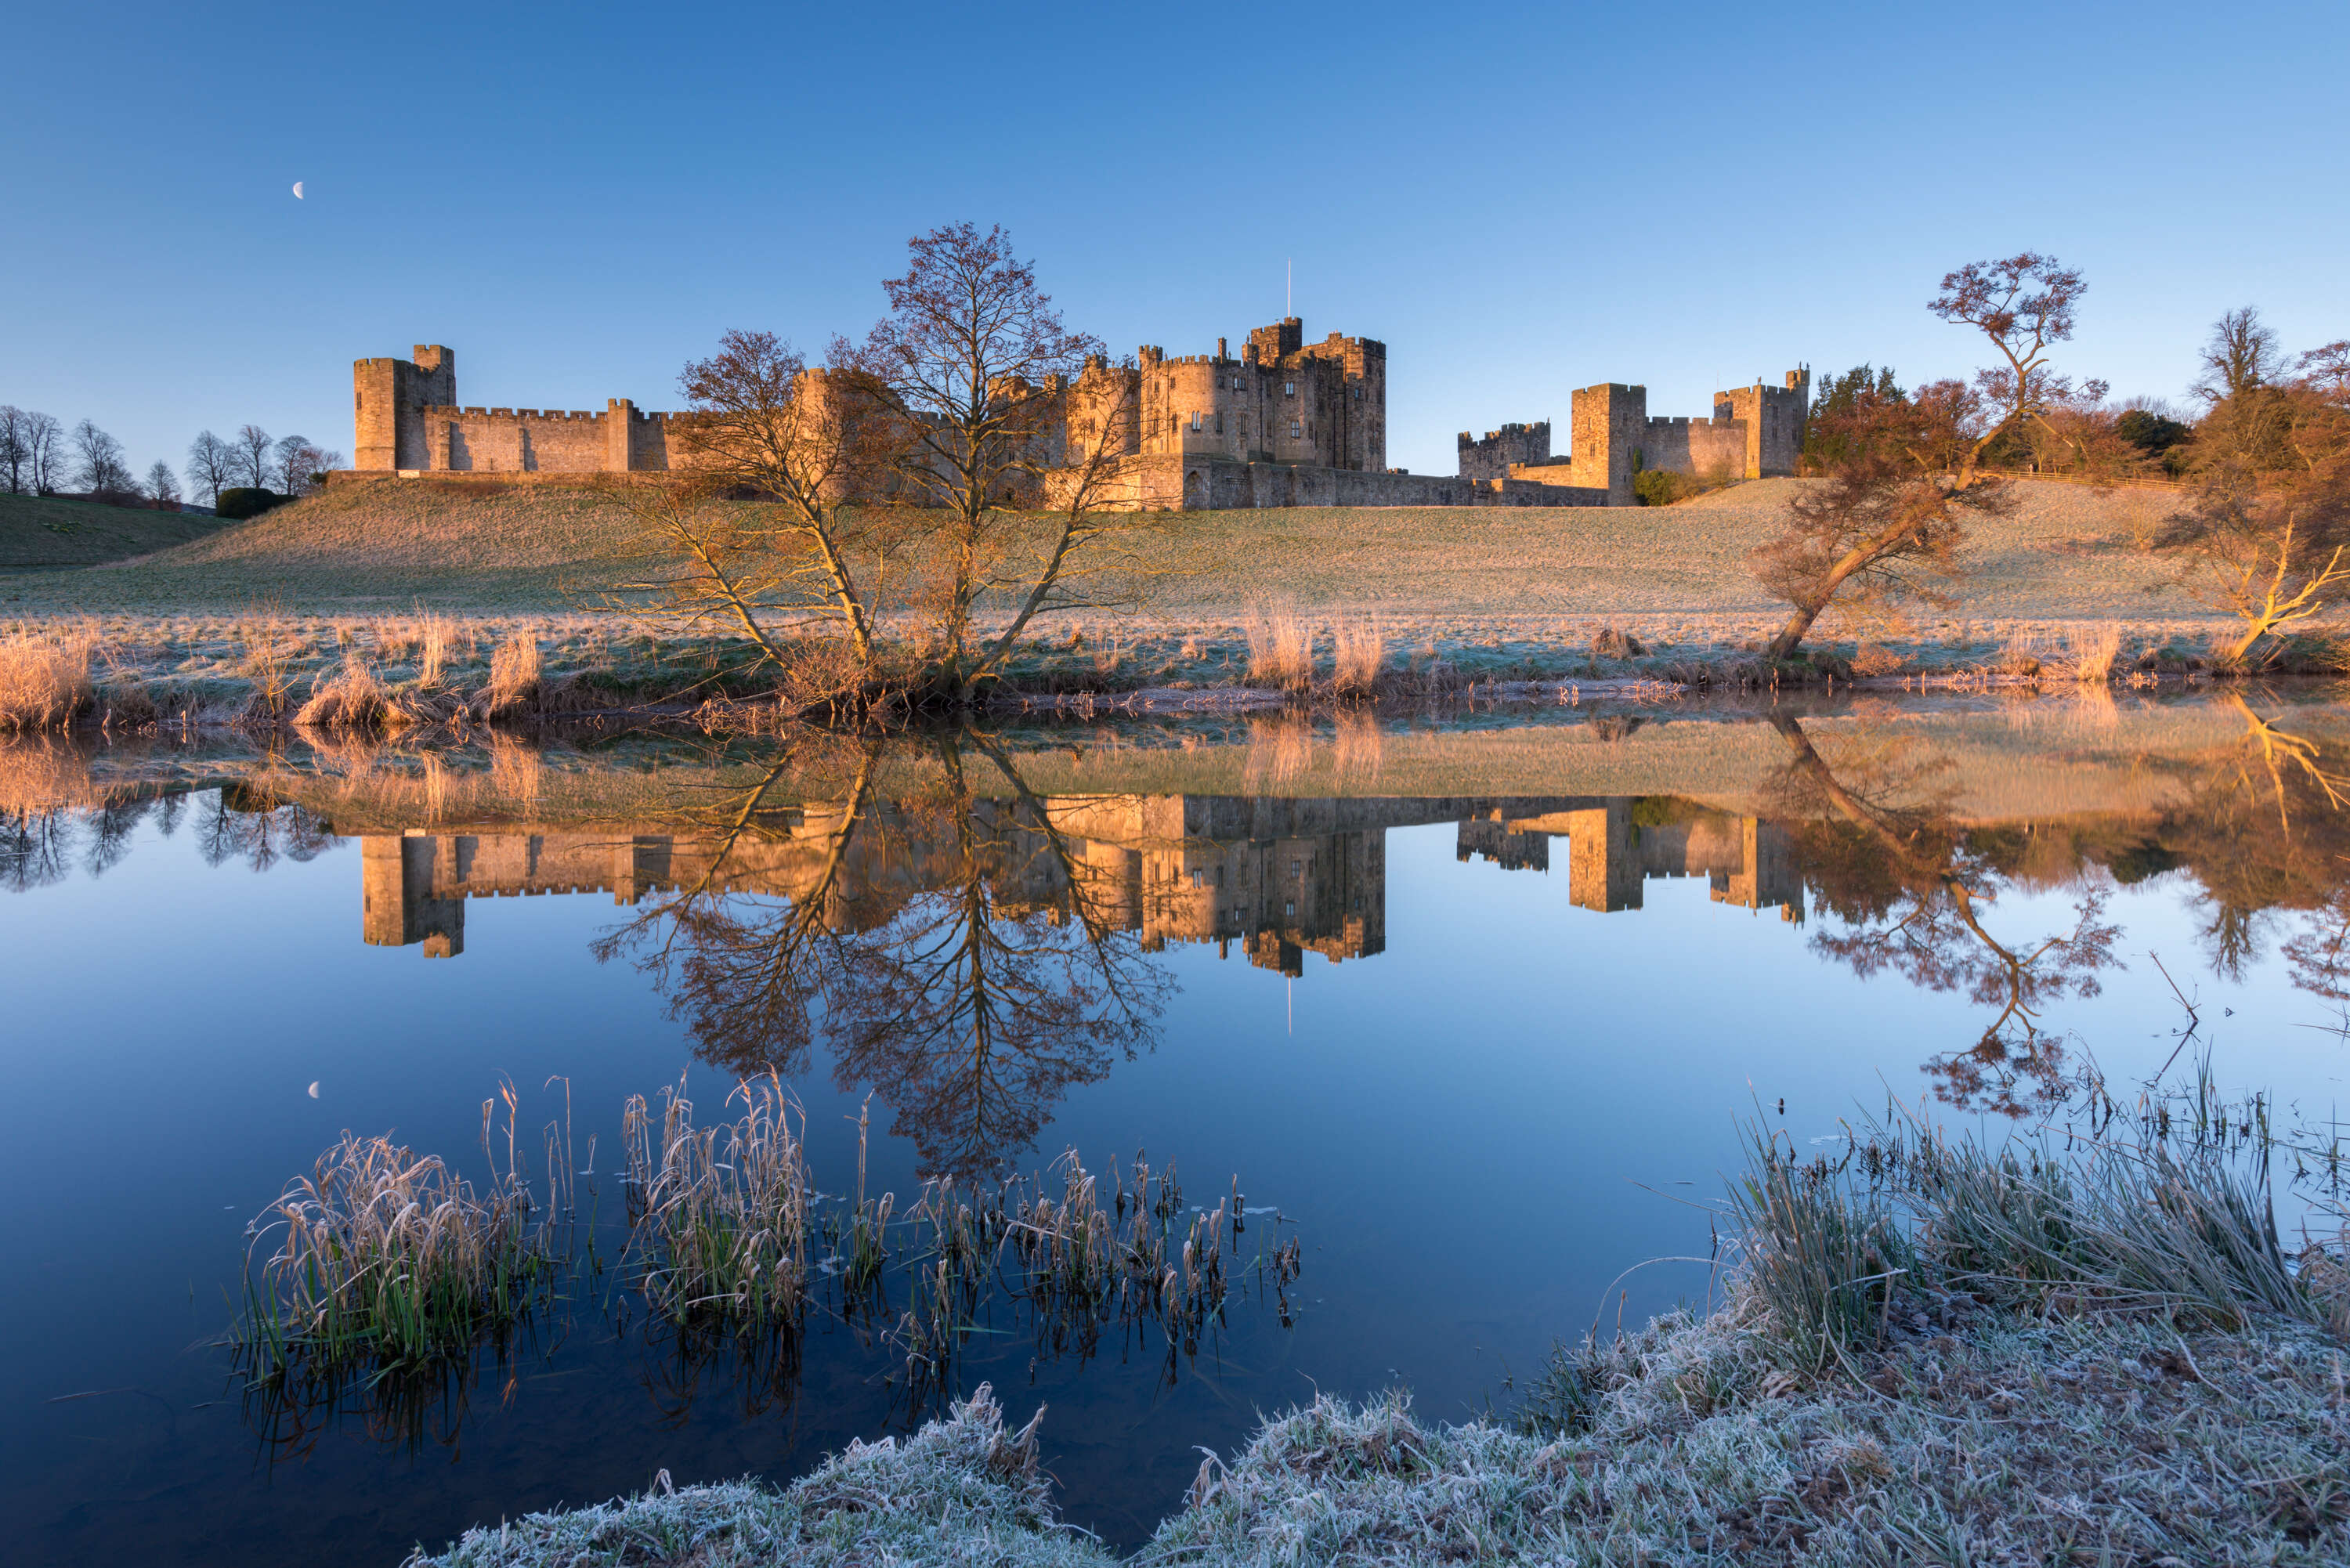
1884 855
958 953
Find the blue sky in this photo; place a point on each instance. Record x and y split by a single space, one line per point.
1518 199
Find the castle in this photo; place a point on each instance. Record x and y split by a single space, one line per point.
1285 423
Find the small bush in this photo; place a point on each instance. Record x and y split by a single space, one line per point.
1612 643
1873 659
1659 487
247 502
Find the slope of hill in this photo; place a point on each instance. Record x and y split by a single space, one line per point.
40 532
2067 552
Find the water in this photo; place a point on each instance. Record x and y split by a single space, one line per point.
1474 1007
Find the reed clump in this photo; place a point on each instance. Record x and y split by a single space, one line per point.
721 1214
515 677
2175 1221
45 679
353 700
388 1258
1281 649
268 669
1078 1261
1359 655
2096 653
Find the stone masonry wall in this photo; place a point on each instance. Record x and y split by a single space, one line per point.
1511 446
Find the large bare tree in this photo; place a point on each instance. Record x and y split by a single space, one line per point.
808 446
15 456
99 461
2021 303
44 452
211 467
975 368
252 447
2241 354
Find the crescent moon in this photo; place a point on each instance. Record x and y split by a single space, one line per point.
313 1090
297 190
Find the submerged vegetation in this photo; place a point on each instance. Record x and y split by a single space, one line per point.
387 1275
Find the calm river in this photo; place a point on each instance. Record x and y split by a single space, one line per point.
1471 1011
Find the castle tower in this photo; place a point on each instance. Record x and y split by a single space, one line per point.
1774 418
388 400
1607 424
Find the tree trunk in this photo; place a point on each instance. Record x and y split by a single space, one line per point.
1784 646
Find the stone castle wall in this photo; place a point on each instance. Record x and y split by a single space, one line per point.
1756 433
1501 450
1284 423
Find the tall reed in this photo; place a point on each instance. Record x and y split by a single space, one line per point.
2095 653
268 667
515 674
1360 654
45 680
388 1257
721 1233
354 700
435 642
1281 649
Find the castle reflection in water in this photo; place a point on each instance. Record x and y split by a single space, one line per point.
1280 878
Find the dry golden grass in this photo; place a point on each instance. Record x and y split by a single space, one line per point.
353 700
45 682
1359 652
2096 651
515 674
1281 649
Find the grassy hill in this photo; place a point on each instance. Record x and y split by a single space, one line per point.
2068 553
45 532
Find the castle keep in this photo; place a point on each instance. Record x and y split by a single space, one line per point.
1284 423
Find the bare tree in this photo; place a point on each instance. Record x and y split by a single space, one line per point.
811 447
974 365
99 461
163 486
15 456
2241 354
297 465
211 467
2021 303
44 452
2325 371
252 450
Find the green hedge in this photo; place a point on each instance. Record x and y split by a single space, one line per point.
247 502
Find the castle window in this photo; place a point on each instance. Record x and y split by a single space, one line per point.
1295 430
1195 419
1289 389
1220 423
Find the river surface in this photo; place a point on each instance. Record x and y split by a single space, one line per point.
1471 1011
